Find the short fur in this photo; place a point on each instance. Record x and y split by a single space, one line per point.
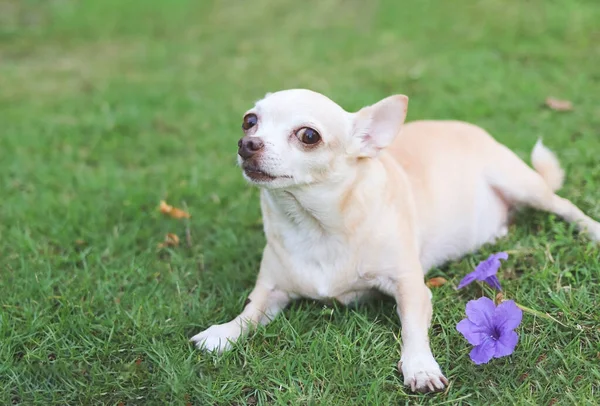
375 205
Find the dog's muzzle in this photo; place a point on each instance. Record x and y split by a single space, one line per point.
249 146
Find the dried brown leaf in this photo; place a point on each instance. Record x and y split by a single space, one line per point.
171 240
436 282
559 105
173 211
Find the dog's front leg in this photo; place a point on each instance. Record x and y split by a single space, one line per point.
421 371
263 304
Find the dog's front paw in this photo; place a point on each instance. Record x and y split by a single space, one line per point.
217 338
422 373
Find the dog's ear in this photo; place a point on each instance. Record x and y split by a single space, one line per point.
266 95
376 126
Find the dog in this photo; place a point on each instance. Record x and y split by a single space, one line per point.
355 203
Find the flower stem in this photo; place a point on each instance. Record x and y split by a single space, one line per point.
540 314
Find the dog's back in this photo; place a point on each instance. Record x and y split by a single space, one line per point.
464 183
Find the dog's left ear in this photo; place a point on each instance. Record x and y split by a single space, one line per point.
376 126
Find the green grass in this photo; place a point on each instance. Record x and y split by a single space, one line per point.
107 107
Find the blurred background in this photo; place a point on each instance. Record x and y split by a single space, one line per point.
109 106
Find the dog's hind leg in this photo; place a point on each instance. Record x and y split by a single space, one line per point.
521 185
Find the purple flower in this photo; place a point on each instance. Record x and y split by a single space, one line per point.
490 328
486 271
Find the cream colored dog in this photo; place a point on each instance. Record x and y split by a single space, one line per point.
356 202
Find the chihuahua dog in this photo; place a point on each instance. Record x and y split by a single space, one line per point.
355 203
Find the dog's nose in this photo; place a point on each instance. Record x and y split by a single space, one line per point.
248 146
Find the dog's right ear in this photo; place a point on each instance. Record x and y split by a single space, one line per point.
266 95
376 126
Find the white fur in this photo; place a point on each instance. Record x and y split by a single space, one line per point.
546 164
367 211
219 337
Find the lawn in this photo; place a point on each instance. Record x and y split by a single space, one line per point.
109 106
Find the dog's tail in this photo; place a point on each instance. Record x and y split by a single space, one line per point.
546 164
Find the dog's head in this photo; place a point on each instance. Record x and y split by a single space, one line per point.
300 137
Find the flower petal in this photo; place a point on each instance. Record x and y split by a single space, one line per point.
500 255
490 266
482 354
472 332
506 344
507 316
469 278
481 313
493 282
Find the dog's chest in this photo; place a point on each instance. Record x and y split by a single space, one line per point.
321 266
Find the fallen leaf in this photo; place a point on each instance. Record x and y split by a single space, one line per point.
80 245
436 282
509 274
171 240
173 211
559 105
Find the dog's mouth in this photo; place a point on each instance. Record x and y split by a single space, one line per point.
258 175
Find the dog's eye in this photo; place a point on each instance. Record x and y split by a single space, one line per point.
250 121
308 136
